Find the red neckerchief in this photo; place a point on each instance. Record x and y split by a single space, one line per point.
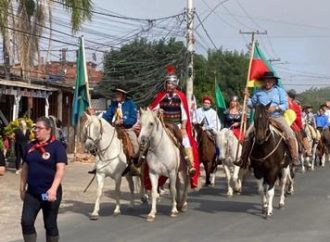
40 147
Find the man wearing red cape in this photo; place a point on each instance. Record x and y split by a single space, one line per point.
172 104
297 125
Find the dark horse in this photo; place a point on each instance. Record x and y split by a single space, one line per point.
324 147
207 152
269 159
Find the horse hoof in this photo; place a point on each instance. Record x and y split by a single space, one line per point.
229 194
116 213
151 218
93 217
267 216
174 214
281 206
144 200
184 208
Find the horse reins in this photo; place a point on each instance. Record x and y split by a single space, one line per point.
268 155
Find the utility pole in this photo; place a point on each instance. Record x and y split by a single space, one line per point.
253 33
190 47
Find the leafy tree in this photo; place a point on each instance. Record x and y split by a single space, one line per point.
228 68
314 97
139 67
25 21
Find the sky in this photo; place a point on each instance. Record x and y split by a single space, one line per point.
298 31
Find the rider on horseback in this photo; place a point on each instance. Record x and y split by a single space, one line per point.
297 125
233 116
122 114
172 106
276 96
209 118
308 119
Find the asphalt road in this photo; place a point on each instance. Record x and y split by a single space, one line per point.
211 217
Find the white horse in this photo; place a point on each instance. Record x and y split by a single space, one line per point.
111 161
228 152
163 159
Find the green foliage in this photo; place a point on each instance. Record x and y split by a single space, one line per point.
229 68
13 125
314 97
139 67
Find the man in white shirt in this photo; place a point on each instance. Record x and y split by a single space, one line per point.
209 117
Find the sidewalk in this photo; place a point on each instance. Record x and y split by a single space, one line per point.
74 200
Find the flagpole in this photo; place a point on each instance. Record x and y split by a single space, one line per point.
85 71
242 128
83 62
216 108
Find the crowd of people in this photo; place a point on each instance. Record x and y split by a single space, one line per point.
45 157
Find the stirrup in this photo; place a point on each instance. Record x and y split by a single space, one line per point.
92 171
238 162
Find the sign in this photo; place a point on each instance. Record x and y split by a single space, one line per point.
24 93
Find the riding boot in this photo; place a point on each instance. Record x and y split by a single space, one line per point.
30 237
52 238
293 148
307 147
189 158
246 149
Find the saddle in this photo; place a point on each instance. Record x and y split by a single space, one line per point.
210 136
175 133
127 143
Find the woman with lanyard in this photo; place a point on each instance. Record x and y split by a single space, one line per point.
233 116
40 186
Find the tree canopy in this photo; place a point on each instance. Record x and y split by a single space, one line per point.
139 67
314 97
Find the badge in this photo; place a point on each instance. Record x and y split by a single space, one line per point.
45 156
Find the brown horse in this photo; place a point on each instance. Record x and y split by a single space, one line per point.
324 147
269 159
207 152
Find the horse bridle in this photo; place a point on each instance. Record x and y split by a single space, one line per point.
270 153
144 148
98 139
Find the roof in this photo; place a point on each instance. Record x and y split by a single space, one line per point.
27 85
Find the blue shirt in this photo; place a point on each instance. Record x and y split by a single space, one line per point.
129 112
41 172
321 121
276 96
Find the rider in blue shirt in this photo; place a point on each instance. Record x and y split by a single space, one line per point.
122 114
321 119
272 94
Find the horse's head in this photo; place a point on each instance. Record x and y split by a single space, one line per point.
149 122
261 123
198 129
92 132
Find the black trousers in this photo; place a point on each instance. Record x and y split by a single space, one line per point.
19 149
31 207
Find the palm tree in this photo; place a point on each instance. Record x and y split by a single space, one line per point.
24 21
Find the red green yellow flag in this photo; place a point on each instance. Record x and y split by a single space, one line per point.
259 65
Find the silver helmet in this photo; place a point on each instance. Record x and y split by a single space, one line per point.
171 77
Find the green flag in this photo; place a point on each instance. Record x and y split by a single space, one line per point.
81 98
219 100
